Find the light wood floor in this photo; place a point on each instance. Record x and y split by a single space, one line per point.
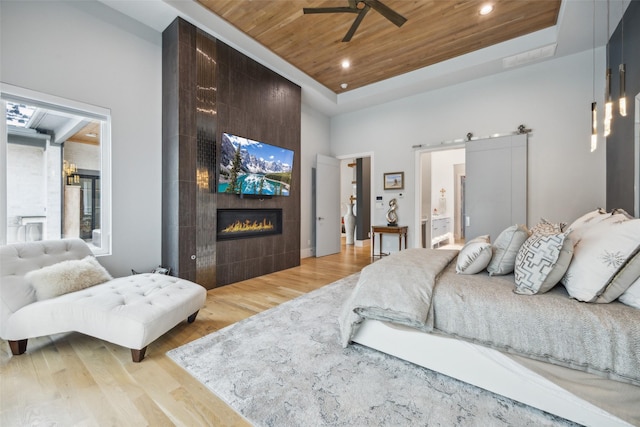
70 380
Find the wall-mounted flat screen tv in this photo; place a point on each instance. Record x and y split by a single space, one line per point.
250 167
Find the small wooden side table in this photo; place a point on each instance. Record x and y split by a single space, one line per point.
400 230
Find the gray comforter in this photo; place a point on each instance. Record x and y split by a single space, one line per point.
603 339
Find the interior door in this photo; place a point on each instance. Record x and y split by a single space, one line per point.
327 205
495 185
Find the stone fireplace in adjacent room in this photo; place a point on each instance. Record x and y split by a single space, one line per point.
245 223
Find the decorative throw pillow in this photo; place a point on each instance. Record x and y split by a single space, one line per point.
627 274
582 224
547 227
620 211
632 295
474 256
67 276
541 262
601 254
505 249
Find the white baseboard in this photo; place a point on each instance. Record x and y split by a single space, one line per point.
363 243
307 252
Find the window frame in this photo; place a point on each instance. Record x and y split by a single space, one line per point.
17 94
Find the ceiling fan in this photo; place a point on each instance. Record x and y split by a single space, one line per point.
361 7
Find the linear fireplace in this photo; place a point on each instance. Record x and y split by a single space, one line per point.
243 223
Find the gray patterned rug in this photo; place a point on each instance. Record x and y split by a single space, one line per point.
285 367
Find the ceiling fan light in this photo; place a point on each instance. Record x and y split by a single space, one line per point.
486 9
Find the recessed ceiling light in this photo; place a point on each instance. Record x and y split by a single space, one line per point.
343 85
486 9
346 63
91 135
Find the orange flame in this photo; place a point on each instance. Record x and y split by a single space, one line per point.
247 225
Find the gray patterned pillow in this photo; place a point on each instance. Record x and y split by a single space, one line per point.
541 262
548 227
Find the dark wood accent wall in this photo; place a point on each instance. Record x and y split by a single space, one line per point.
622 187
206 131
210 88
178 149
259 104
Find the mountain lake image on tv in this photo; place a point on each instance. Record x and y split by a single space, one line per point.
250 167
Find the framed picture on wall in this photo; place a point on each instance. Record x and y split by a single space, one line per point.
394 181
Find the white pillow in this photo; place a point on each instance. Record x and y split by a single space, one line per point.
541 262
67 276
603 251
582 224
621 211
505 249
632 295
474 256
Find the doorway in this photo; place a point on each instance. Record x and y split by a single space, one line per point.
355 198
89 205
329 200
440 196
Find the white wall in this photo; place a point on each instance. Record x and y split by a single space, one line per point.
84 156
552 98
87 52
315 140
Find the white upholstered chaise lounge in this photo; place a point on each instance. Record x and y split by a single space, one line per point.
129 311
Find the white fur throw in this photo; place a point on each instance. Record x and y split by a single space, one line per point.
67 276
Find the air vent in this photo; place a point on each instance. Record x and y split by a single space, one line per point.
530 56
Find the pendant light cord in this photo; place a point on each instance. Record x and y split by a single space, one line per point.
593 74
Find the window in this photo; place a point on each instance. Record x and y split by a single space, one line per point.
57 170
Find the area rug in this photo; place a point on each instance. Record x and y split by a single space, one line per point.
285 367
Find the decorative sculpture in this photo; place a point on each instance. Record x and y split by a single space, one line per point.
350 222
392 216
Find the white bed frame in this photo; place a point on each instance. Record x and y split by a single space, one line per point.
483 367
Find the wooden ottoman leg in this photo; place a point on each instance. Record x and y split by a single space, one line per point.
138 355
192 318
18 347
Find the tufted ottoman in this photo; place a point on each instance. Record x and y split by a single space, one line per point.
129 311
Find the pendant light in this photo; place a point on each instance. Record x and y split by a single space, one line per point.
622 102
608 106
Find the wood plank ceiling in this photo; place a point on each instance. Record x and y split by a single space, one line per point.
89 134
435 30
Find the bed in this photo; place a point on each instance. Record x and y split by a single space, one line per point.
571 358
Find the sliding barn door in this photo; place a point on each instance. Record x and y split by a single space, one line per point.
495 185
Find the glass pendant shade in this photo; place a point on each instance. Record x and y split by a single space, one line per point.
594 126
622 103
608 106
608 116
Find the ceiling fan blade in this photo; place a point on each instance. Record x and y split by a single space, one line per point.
356 23
386 11
329 10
